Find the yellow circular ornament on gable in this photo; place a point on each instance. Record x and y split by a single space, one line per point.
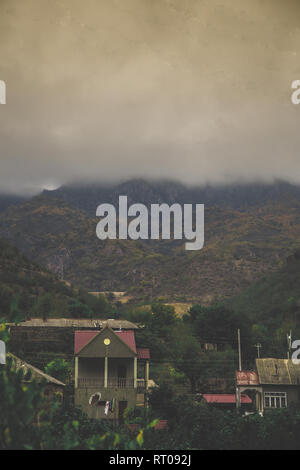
107 341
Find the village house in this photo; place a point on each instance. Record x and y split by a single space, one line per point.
275 383
39 340
107 372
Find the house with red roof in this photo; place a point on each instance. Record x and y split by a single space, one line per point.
111 373
227 400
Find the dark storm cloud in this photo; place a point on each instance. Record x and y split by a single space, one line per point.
197 90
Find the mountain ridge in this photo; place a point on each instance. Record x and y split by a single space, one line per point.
240 197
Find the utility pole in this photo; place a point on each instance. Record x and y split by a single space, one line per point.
289 342
238 393
258 346
239 344
61 262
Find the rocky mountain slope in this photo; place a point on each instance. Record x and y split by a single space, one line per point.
249 230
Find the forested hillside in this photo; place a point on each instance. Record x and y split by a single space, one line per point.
27 290
273 303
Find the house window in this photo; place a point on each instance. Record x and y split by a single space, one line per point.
275 399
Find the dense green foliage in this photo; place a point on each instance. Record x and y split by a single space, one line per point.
272 306
28 421
178 355
19 405
60 369
200 426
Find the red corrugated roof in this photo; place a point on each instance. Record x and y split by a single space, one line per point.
225 398
82 338
143 353
247 377
128 337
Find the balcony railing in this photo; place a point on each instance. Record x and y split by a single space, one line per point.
112 382
90 382
140 383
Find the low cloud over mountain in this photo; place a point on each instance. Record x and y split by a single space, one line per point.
193 90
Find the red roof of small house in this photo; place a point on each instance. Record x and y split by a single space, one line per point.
143 353
225 398
83 337
247 377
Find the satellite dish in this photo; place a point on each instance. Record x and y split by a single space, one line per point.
2 353
95 399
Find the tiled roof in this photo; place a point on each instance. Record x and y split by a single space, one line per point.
271 371
278 371
143 353
225 398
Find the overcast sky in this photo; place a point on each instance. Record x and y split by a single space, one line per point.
196 90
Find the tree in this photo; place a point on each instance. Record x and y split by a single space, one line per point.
14 313
163 318
79 310
59 368
188 358
44 305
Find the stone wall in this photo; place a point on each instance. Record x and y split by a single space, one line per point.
39 345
